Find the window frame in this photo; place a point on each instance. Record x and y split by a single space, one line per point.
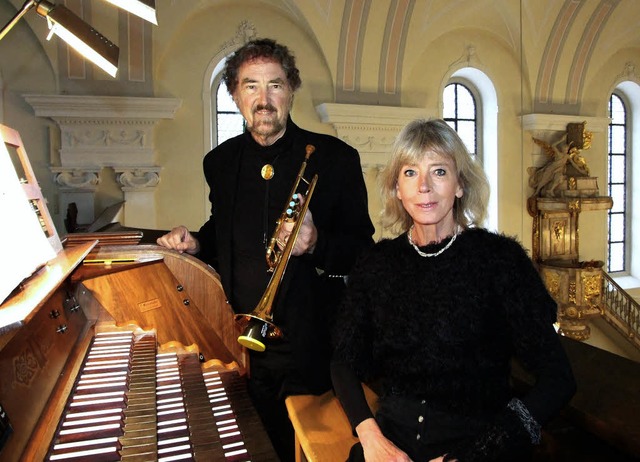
486 100
477 101
626 243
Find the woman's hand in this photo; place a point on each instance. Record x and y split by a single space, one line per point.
376 447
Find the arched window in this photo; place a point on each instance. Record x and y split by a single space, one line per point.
229 121
221 117
618 187
470 106
460 112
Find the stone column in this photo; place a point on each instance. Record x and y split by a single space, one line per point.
77 185
139 185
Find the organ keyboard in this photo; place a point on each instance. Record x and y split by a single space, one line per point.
150 369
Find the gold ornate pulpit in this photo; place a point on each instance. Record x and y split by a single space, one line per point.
575 285
563 190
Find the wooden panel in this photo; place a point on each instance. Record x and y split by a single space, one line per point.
199 280
204 287
31 364
22 306
151 297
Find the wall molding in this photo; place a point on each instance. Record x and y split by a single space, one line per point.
116 132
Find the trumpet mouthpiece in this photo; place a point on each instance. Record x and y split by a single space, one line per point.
309 150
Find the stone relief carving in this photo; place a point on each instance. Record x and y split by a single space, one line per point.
77 179
138 178
100 137
245 32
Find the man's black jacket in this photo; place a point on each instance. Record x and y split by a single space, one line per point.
312 285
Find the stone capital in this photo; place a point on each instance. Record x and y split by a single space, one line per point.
138 178
77 178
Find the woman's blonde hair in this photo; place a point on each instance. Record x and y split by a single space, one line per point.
416 140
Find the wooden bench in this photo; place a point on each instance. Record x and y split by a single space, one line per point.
322 430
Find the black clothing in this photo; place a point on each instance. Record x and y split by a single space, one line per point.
439 333
244 210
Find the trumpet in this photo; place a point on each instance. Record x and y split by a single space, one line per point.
258 327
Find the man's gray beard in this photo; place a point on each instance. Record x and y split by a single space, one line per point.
273 129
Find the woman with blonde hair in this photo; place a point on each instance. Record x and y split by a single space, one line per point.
436 315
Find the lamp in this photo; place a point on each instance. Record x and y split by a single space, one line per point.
146 9
72 29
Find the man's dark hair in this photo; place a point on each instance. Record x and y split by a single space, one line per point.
261 49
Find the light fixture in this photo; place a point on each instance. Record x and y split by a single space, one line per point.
72 29
146 9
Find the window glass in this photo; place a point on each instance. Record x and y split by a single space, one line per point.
616 257
617 227
617 169
617 193
229 121
460 112
617 139
466 104
617 110
449 110
225 102
467 131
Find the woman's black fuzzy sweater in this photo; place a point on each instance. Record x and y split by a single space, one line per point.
444 329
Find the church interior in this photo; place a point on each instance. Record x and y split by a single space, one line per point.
128 148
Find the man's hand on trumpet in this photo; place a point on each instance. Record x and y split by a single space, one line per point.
307 236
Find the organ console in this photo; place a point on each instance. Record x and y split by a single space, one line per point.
114 350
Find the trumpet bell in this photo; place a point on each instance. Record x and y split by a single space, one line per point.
256 332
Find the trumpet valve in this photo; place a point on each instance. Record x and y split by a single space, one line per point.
291 216
293 209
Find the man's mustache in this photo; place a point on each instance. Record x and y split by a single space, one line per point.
265 107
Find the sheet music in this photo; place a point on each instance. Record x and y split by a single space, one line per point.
24 245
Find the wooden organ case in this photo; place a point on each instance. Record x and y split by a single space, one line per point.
113 351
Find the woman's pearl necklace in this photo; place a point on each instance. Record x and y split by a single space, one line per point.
435 254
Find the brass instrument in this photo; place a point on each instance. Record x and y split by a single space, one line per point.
257 326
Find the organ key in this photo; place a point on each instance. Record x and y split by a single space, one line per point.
94 420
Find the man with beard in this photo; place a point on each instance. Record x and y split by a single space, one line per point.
250 178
